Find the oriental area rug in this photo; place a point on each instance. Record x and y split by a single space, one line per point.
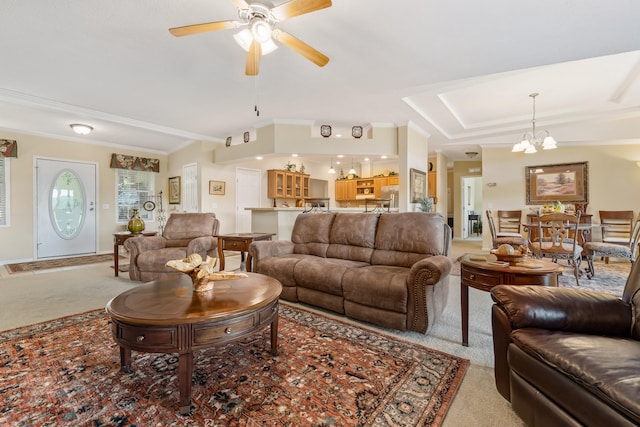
66 372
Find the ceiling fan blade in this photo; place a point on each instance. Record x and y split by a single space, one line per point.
202 28
301 47
298 7
253 59
240 4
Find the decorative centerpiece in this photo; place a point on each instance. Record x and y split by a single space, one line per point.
202 274
135 224
506 253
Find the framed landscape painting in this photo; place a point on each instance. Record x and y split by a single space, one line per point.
174 190
417 185
565 183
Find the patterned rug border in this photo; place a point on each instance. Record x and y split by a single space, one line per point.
435 408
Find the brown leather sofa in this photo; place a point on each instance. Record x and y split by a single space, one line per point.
567 357
389 269
183 235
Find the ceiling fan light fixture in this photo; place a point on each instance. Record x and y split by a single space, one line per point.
244 39
260 30
81 129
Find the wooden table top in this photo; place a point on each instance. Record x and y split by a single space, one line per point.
547 266
244 236
173 301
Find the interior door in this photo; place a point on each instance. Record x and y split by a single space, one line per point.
247 196
65 208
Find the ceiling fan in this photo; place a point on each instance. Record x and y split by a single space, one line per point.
261 19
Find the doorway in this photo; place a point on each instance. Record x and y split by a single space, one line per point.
472 207
247 196
65 208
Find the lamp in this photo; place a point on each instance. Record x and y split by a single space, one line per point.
81 129
532 140
352 170
260 31
331 169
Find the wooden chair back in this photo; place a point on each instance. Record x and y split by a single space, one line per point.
510 221
492 226
617 226
556 237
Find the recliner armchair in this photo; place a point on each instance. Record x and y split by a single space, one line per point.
183 235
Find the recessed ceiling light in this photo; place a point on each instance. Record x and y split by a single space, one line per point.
383 157
259 158
294 155
339 135
366 159
340 156
81 129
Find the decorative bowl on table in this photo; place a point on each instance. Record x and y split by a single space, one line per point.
512 259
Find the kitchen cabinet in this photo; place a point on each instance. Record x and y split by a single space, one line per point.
282 184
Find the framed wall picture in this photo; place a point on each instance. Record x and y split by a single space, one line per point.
417 185
565 183
217 188
174 190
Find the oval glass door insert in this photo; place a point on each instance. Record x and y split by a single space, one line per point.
67 204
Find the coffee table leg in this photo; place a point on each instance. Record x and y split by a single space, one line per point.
125 359
464 307
116 255
185 371
274 336
221 253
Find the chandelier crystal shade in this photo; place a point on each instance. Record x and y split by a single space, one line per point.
530 142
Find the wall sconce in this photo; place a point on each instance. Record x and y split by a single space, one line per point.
81 129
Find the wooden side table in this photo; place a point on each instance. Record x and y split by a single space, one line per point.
239 242
119 239
482 275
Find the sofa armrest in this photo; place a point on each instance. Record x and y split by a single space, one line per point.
137 245
266 248
563 309
426 300
202 245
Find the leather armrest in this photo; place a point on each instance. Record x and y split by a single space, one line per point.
202 245
430 270
141 244
266 248
569 310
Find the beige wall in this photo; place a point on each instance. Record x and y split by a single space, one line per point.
18 238
613 177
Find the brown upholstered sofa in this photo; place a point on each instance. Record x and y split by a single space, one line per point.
183 235
566 357
389 269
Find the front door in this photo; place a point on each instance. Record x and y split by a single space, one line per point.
65 208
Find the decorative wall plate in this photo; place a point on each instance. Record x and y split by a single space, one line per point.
366 191
325 130
246 137
228 143
356 131
149 206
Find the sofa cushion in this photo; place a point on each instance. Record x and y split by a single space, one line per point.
186 226
353 236
323 274
310 233
379 286
404 238
282 267
606 366
156 259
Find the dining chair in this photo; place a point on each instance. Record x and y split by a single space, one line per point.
617 226
556 239
509 221
613 250
500 238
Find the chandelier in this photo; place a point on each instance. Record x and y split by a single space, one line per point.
532 140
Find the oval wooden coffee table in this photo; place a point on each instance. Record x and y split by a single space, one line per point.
483 275
166 316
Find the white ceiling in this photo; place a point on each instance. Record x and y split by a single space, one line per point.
461 71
